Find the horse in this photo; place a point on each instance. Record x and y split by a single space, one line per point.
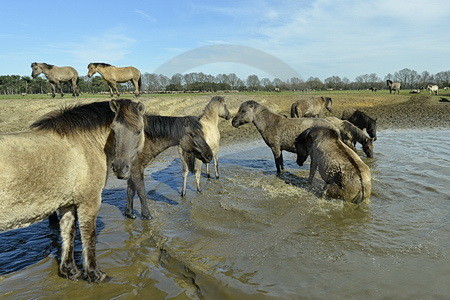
393 86
61 164
417 91
433 89
346 176
362 121
349 132
55 75
209 120
162 132
278 132
314 107
114 75
373 89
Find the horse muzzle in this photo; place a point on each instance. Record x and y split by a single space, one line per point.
236 123
122 171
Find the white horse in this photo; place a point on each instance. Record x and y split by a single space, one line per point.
433 89
214 110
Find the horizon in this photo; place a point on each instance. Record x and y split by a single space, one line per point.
314 38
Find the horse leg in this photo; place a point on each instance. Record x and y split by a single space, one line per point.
87 216
278 160
216 165
53 89
67 267
185 171
131 191
59 86
198 172
140 187
136 87
111 88
74 88
312 170
115 89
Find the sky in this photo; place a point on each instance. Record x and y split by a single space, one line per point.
319 38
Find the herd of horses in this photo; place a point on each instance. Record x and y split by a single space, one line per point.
113 75
61 163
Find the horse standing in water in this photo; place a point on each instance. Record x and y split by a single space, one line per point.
314 107
114 75
61 164
362 121
209 120
161 133
277 131
393 86
55 75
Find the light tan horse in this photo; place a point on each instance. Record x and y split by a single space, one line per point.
55 75
61 164
209 120
114 75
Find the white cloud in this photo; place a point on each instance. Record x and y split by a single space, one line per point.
146 16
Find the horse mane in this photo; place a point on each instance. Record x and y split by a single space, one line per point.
389 81
354 132
170 127
101 65
48 66
72 119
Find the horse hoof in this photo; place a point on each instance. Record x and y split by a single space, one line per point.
96 276
217 177
70 272
199 191
130 216
146 217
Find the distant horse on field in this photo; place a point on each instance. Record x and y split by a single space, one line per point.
314 107
393 86
209 119
373 89
433 89
55 75
61 164
362 121
346 176
161 133
277 131
114 75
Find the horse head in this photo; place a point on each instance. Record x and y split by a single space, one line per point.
368 147
129 136
193 141
223 110
245 114
328 103
92 69
36 69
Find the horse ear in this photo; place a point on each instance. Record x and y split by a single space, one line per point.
141 108
114 105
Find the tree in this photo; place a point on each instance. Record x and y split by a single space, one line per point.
253 82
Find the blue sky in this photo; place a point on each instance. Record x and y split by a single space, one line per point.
316 38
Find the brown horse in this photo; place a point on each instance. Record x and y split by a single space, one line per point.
61 164
314 107
114 75
345 174
55 75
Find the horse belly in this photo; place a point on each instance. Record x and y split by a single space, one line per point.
34 183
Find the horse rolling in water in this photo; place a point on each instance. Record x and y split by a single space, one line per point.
209 120
346 176
277 131
61 164
362 121
161 133
393 86
55 75
114 75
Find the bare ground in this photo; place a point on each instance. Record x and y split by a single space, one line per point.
399 111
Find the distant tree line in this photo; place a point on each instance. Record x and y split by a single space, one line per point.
200 82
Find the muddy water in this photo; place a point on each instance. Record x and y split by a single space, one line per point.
251 233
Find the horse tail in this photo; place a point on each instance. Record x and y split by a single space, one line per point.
293 109
140 83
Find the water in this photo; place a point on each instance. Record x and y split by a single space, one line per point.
255 235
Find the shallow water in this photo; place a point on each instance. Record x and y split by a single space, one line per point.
254 234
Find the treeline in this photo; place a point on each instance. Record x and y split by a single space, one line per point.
200 82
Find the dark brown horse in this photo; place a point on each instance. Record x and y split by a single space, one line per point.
362 121
55 75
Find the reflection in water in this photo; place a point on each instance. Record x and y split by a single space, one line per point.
252 233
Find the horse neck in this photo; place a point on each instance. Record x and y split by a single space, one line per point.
358 134
95 140
157 145
264 119
211 114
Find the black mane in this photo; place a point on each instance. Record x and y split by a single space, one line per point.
72 119
100 65
170 127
